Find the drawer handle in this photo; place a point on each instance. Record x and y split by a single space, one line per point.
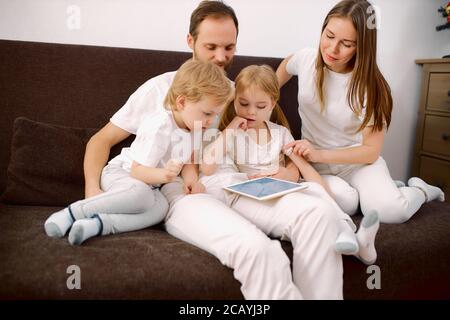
445 136
448 93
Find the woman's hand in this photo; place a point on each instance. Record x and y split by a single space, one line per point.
305 149
237 123
193 187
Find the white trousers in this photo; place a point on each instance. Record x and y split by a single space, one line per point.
127 204
372 186
239 238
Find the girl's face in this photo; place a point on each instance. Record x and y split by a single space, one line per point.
338 44
254 105
199 115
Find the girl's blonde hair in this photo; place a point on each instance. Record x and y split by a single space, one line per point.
264 78
367 83
196 79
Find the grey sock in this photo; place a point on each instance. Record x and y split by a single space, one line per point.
346 242
58 223
366 238
84 229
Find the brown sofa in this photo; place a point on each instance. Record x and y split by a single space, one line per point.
66 92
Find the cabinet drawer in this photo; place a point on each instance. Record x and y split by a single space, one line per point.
436 137
437 173
439 92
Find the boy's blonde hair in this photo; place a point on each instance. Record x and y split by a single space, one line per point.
264 78
196 79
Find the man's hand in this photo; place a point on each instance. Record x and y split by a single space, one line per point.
194 187
91 192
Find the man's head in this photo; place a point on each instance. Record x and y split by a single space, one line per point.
213 32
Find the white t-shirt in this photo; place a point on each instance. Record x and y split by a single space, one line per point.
337 125
253 158
148 98
158 139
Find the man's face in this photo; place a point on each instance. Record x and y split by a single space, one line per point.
216 41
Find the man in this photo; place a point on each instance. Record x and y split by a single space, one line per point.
259 263
212 37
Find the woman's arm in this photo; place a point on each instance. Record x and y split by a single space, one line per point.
367 153
282 75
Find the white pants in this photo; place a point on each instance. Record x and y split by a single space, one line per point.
239 239
376 189
127 204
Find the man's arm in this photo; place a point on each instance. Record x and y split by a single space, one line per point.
96 156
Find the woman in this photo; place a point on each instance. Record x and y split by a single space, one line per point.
345 105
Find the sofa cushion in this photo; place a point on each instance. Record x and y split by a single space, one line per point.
46 164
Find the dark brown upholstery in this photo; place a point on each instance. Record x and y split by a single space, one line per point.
81 87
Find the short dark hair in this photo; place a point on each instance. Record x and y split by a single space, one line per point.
215 9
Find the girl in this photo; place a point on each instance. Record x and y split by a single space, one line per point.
161 149
345 105
254 130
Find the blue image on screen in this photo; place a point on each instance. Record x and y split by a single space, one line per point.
263 187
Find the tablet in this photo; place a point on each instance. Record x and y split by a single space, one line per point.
265 188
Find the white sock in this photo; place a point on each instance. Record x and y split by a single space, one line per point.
399 183
84 229
58 223
366 238
431 192
346 242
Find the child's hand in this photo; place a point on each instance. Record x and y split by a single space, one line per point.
304 149
282 174
174 166
238 123
194 187
263 174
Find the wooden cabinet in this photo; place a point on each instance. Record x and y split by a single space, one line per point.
432 150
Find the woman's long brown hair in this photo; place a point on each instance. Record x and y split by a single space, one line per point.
367 84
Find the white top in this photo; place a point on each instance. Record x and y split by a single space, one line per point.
148 98
158 139
336 126
253 158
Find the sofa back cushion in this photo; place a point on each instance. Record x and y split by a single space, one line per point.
46 164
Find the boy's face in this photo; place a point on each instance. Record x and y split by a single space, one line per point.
199 115
216 41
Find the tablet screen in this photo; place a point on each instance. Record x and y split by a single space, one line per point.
264 188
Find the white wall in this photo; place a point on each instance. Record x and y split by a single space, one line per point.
267 28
